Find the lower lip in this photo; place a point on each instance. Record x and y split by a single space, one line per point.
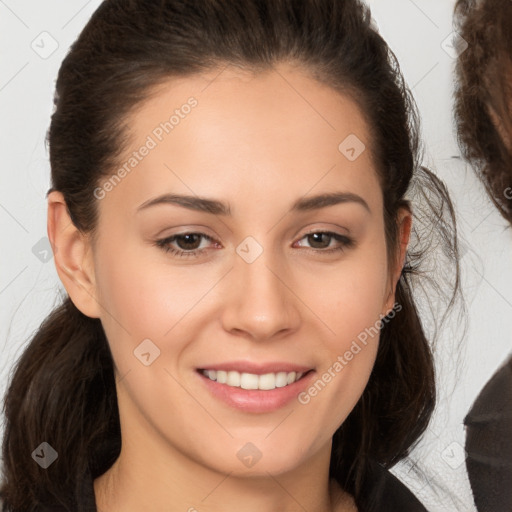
257 400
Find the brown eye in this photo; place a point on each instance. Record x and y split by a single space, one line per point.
319 240
189 241
185 244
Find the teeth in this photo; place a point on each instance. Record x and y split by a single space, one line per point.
233 379
281 379
249 381
267 381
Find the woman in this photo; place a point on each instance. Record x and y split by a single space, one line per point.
484 117
228 217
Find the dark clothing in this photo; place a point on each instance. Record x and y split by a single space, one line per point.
383 492
489 444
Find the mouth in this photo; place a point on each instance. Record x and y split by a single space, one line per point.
254 388
264 382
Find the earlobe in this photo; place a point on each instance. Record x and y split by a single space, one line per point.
72 256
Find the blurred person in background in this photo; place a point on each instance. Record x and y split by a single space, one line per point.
483 112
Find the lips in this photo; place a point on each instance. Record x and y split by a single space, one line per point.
253 387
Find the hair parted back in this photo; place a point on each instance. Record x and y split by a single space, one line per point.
63 388
484 85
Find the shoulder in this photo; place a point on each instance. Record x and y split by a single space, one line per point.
496 396
489 442
383 492
489 421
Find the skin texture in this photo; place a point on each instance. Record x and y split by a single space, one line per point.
258 143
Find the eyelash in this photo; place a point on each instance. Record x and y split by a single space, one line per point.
164 244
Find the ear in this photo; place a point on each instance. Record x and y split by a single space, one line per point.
404 221
72 256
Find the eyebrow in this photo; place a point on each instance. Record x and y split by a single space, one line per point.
215 207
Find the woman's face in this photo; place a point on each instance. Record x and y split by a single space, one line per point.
207 266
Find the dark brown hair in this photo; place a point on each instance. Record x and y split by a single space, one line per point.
484 82
63 387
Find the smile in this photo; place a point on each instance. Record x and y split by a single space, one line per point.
266 382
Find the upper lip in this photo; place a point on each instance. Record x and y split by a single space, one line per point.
257 368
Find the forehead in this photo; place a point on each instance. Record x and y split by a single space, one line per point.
242 131
255 99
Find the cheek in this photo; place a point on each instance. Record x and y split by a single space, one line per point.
350 303
355 320
352 297
144 300
147 297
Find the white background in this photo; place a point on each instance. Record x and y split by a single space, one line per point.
415 30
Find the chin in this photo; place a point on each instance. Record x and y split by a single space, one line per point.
252 462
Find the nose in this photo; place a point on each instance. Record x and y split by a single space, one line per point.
260 302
